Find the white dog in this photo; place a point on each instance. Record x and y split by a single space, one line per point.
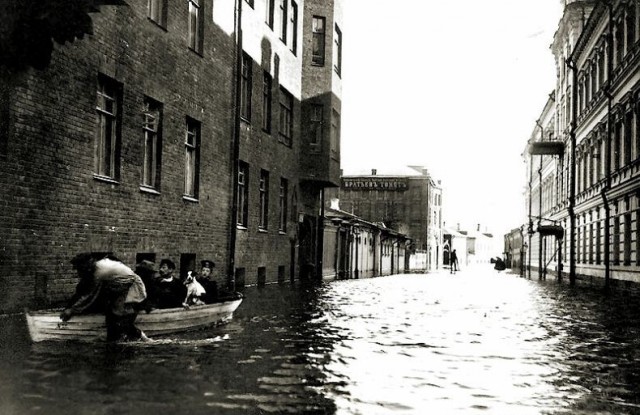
194 291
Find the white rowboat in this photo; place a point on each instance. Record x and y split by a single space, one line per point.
46 325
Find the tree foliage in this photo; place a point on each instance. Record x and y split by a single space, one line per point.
30 27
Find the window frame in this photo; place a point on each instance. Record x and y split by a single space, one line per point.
284 9
318 39
285 130
242 182
195 30
269 13
157 12
267 101
294 28
263 201
335 134
337 62
316 126
193 128
108 123
152 144
246 87
283 195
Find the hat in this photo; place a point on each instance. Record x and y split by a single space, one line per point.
207 264
169 263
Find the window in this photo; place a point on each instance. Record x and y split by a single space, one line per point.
151 124
267 83
107 143
195 25
157 11
269 6
192 158
264 199
337 52
315 126
282 204
283 21
294 27
243 194
286 116
335 134
187 263
145 256
317 48
245 85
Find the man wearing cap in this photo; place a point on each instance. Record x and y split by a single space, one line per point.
205 279
171 291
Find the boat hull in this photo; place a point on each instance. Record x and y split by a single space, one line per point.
46 325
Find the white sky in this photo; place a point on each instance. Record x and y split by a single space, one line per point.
454 85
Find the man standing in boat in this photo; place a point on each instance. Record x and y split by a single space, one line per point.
108 286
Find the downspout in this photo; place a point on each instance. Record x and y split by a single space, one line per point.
530 229
607 162
320 238
572 174
540 237
235 158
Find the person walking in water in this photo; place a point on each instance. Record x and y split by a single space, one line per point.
454 261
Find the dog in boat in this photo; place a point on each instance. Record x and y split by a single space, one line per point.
195 290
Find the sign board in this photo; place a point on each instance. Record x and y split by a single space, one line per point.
375 183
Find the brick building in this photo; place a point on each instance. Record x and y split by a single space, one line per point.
129 142
408 201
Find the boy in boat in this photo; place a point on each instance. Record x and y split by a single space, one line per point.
108 286
209 285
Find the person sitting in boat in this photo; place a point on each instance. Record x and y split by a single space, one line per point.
170 289
108 286
205 279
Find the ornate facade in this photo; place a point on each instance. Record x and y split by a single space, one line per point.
591 187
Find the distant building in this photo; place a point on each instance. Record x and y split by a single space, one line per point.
515 250
355 248
453 239
407 200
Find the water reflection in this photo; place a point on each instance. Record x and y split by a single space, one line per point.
476 342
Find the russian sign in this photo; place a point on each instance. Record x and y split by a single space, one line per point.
375 183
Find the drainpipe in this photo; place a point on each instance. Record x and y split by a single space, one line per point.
607 162
319 237
530 229
540 237
231 272
572 173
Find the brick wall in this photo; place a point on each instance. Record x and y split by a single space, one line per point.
53 207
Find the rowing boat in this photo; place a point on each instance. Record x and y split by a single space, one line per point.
47 325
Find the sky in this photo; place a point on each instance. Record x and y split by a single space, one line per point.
455 86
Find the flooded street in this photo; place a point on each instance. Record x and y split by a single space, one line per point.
474 342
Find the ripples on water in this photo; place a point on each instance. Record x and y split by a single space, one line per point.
474 342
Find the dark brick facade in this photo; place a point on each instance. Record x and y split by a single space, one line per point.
53 204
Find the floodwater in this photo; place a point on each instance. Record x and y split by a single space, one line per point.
477 342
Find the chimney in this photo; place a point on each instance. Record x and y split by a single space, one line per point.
374 172
458 226
478 227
